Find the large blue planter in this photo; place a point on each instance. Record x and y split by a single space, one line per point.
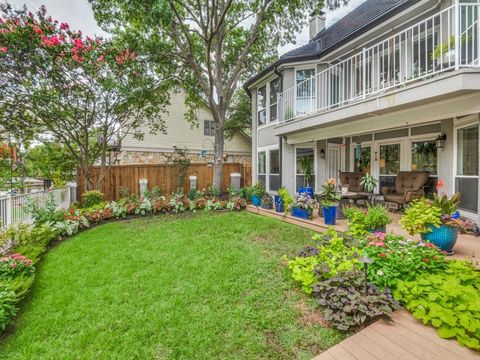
306 190
329 214
443 237
301 213
279 206
256 200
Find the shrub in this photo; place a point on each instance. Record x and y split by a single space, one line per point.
348 305
246 192
42 214
396 259
362 222
419 215
15 265
449 301
333 256
92 198
7 306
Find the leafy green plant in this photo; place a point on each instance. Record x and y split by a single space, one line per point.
43 213
287 199
7 306
246 192
377 216
395 259
14 265
369 182
449 301
258 190
306 167
348 305
92 198
362 222
328 193
304 201
419 216
119 210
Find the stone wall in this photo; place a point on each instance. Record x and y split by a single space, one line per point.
153 157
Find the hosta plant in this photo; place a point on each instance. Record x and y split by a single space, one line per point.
118 210
449 301
349 304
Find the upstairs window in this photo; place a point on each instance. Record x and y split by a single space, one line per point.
209 128
262 105
274 90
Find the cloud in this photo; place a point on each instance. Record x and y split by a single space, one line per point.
332 16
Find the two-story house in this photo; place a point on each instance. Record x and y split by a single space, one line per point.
392 86
198 140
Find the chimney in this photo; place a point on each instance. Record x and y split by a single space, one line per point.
317 23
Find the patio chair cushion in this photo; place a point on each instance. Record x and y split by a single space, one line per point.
352 180
395 198
410 181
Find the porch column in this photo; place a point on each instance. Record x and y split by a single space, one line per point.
288 166
445 158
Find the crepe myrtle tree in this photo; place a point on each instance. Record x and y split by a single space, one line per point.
80 91
215 45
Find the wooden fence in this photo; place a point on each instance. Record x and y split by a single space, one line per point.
162 176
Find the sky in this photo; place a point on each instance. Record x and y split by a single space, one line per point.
78 14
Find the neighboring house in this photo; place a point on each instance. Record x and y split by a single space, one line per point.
394 85
158 148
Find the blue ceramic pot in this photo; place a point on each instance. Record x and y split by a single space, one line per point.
301 213
279 206
329 214
306 190
256 200
443 237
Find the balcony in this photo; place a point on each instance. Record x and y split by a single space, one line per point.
446 41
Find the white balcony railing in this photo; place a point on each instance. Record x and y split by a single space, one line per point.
446 41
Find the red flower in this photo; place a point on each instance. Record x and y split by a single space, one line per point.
426 260
101 58
382 255
78 43
64 26
3 49
440 184
37 30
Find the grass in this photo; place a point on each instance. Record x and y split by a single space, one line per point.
208 286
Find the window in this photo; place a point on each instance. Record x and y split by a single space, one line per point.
424 156
362 159
305 95
274 90
262 105
305 155
209 128
262 167
274 170
466 180
389 159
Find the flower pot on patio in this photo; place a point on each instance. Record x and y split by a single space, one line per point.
330 214
378 229
306 190
301 213
443 237
256 200
279 206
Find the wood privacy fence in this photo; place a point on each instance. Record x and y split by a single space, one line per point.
163 176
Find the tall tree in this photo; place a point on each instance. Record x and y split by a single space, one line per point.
214 45
83 92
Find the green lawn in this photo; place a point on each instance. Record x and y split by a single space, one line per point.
208 286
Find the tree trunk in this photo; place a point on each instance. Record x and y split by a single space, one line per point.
218 157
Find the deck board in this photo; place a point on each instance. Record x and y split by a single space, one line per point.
403 338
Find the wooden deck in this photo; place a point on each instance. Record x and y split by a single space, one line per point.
404 338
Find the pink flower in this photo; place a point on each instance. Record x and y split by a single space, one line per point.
13 265
101 58
132 55
64 26
440 184
37 30
429 245
3 49
78 43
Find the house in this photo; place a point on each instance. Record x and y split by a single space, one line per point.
158 148
394 85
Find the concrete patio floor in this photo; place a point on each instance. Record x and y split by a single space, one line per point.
467 246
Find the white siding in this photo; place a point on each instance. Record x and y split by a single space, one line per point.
181 133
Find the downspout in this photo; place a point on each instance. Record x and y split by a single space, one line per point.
280 139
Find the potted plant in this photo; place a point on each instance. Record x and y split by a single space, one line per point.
369 183
267 202
329 201
436 221
257 192
283 201
303 207
306 167
377 219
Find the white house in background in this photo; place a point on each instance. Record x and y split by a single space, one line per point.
374 92
156 149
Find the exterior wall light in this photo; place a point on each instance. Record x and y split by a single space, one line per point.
322 154
440 141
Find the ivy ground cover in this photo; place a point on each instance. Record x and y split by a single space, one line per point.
176 286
